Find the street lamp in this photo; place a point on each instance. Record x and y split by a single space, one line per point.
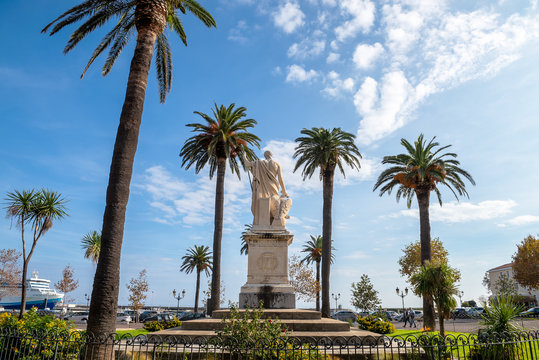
87 300
460 294
402 294
178 297
336 298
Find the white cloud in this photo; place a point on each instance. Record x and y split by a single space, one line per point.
523 220
383 106
337 86
332 57
366 55
297 74
307 48
289 17
356 255
238 32
362 13
459 212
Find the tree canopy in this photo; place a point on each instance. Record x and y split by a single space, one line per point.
410 261
526 263
364 296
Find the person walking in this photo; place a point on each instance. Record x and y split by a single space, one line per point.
405 317
411 317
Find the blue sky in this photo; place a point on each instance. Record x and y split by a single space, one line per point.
464 71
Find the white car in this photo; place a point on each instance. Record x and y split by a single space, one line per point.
78 316
122 317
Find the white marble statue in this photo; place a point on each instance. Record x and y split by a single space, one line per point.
269 209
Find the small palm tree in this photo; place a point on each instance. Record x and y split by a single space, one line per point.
419 172
244 246
38 210
326 150
145 21
437 280
221 138
91 244
313 248
197 258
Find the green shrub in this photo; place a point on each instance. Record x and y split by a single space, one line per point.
162 325
38 337
375 324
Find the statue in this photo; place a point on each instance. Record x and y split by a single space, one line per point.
270 210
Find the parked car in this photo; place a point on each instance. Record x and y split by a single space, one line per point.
534 311
191 316
345 315
459 313
159 317
475 312
77 316
146 314
123 317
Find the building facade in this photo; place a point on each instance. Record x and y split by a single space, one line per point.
496 274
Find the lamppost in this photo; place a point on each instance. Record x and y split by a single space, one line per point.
336 298
402 294
460 294
178 297
87 300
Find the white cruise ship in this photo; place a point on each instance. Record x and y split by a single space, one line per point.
38 294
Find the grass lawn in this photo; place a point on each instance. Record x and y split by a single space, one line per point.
133 332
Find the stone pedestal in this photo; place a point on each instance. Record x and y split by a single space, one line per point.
267 271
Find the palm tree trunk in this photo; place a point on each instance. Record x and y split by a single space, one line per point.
23 287
215 302
423 199
441 320
318 285
326 239
104 301
196 291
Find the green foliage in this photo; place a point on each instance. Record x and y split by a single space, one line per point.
249 328
375 324
96 13
498 315
91 244
162 325
38 337
197 258
525 260
469 303
364 297
422 169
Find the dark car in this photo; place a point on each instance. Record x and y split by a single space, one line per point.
159 317
534 311
146 314
191 316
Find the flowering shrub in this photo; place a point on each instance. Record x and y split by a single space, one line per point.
375 324
162 325
38 337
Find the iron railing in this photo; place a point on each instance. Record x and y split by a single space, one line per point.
15 345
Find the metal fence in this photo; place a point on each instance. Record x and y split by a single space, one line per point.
15 345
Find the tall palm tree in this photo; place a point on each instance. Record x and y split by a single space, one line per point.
148 19
91 244
418 172
221 138
327 150
197 258
313 248
38 210
437 280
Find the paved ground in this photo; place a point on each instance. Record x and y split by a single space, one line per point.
471 325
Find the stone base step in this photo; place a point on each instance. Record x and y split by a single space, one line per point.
326 325
282 314
351 335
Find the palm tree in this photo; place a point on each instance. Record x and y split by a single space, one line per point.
437 280
418 172
244 246
221 138
91 244
148 18
197 258
38 210
327 150
313 248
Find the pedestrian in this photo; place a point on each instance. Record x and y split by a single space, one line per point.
405 317
411 317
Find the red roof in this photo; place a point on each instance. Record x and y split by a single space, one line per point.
509 265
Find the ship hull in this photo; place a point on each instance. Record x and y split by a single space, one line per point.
40 304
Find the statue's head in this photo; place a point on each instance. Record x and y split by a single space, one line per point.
268 154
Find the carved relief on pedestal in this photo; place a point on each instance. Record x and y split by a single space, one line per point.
266 262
